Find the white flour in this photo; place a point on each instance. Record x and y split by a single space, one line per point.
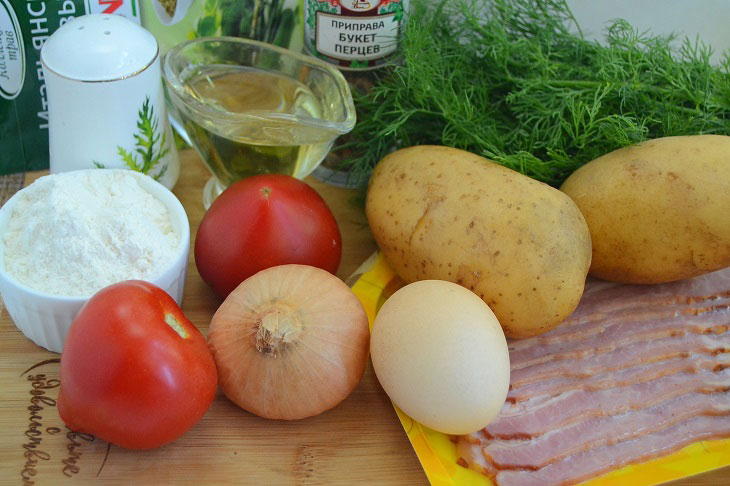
72 234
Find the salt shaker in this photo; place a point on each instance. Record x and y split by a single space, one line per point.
106 105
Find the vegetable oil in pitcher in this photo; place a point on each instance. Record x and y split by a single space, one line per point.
250 108
235 150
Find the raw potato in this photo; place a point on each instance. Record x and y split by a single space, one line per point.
446 214
658 211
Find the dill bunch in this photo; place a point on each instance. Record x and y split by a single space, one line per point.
516 81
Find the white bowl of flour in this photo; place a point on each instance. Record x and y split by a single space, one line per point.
67 236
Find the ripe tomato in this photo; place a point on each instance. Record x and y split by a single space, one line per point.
134 370
264 221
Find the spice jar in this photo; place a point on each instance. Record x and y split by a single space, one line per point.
354 34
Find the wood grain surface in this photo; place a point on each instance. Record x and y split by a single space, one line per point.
358 442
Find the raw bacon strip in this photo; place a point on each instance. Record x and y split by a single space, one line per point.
582 436
624 377
605 298
620 357
590 313
629 325
512 408
612 296
579 404
630 354
591 463
469 452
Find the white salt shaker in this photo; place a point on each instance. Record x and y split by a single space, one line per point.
106 106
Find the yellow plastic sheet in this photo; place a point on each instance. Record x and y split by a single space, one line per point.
437 453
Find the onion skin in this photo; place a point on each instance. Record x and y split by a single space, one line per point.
290 342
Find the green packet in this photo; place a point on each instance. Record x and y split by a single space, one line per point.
26 24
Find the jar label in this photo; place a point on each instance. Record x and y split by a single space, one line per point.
12 53
355 34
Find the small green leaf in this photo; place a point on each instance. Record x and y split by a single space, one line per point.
285 29
211 6
206 26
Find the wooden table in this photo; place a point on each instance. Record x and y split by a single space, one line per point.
358 442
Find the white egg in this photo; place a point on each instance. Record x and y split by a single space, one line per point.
441 356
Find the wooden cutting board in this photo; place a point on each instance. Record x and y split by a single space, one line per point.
358 442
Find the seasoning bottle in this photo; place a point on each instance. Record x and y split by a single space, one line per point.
106 106
354 34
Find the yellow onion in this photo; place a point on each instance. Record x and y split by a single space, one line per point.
289 342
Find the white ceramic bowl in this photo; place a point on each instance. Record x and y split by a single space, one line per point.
45 318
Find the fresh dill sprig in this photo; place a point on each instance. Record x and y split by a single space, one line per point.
516 81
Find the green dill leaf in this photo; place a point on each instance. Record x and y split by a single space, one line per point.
515 81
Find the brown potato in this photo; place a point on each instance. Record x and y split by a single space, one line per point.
446 214
658 211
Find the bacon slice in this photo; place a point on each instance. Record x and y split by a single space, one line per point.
636 372
585 465
585 435
586 364
603 298
606 332
623 377
579 404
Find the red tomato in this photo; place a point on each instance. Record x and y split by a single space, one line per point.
261 222
134 370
